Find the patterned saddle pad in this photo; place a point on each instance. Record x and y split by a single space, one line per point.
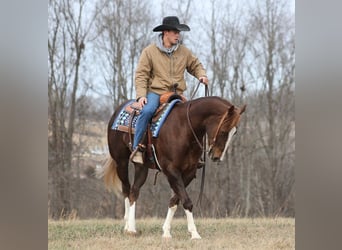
122 121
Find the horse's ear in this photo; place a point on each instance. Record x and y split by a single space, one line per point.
231 109
243 109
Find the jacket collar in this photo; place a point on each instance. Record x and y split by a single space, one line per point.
160 46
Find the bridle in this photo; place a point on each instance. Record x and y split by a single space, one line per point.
216 132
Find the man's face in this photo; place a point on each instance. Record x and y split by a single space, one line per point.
172 36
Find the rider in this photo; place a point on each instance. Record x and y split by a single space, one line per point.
161 65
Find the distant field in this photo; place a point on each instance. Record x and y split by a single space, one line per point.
228 233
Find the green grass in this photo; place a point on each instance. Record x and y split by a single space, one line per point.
225 233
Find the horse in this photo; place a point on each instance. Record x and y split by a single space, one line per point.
178 149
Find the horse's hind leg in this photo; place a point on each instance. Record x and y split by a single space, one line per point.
140 176
122 171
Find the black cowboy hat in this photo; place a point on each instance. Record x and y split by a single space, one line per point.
171 23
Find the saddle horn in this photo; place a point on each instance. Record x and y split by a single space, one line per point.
175 85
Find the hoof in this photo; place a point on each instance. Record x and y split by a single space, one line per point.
195 236
132 233
167 237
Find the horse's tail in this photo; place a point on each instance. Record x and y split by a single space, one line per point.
110 176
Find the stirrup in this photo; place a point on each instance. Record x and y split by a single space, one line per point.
137 156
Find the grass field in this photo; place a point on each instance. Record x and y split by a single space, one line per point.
227 233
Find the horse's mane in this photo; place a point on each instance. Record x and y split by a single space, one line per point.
214 98
221 100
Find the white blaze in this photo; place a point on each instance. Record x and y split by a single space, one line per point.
231 133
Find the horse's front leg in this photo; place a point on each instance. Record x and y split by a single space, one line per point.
126 213
188 212
177 184
191 225
174 201
140 176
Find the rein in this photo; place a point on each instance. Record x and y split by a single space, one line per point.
192 130
203 148
189 122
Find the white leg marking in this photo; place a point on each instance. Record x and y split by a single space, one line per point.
126 213
191 225
230 136
131 219
167 224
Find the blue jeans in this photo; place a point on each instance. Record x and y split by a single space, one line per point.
145 117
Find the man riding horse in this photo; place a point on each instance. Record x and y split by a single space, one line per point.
162 65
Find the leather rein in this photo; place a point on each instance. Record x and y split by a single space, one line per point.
203 148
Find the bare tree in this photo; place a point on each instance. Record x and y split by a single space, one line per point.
257 176
227 42
123 28
178 8
272 31
66 45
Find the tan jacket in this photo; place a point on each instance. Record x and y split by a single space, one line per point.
157 72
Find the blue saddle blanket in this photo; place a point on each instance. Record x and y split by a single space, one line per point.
123 119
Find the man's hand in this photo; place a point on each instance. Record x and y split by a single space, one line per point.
204 80
142 101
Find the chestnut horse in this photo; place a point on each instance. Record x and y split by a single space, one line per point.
178 149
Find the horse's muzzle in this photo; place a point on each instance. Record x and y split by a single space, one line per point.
216 159
214 156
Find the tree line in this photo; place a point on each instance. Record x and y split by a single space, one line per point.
249 52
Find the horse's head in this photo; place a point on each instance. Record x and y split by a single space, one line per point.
223 131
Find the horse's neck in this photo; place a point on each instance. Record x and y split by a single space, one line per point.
206 108
205 112
202 112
